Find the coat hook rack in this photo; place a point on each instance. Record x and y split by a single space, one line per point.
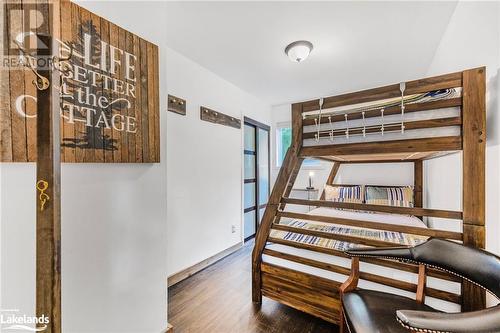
216 117
176 105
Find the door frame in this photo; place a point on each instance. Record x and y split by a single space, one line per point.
257 125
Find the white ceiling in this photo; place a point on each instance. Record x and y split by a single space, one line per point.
357 45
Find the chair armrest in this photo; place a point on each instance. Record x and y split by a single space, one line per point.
483 321
352 282
402 253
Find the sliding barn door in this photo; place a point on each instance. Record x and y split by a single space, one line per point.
256 174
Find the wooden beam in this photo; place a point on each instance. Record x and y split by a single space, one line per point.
48 210
333 173
418 184
409 108
445 81
289 164
474 297
410 125
372 225
297 127
445 143
447 214
331 177
474 146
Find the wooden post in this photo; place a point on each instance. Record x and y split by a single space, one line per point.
297 126
48 215
474 145
418 184
331 177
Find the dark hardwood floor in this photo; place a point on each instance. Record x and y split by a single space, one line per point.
219 300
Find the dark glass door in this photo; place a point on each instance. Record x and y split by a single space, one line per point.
256 174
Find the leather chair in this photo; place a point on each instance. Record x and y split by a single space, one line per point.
367 311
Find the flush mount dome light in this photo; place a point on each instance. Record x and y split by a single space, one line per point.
298 51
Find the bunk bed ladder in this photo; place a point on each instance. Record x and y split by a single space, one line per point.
283 186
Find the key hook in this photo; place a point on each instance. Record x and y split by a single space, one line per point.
41 82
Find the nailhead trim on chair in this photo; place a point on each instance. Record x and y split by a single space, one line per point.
415 329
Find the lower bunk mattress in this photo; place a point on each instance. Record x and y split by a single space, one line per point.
370 268
397 238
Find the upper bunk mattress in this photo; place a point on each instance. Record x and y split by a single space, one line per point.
397 238
324 126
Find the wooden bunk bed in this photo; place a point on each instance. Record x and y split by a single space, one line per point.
431 117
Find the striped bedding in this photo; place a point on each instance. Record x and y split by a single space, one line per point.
397 238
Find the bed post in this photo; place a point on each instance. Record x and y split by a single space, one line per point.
285 176
331 177
418 184
474 137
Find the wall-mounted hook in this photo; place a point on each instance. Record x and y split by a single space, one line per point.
331 128
347 127
364 124
41 82
318 124
382 127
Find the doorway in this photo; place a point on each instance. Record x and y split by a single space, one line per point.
256 174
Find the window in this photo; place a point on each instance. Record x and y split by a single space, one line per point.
283 141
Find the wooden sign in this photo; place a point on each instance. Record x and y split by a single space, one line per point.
109 93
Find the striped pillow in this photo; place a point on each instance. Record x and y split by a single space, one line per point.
389 196
353 194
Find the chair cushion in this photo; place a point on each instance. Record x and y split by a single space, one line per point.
369 311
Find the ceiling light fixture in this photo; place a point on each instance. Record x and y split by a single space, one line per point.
298 51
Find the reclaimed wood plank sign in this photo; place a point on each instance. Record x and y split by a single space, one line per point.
108 94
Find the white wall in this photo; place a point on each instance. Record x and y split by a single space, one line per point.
114 227
205 163
472 39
